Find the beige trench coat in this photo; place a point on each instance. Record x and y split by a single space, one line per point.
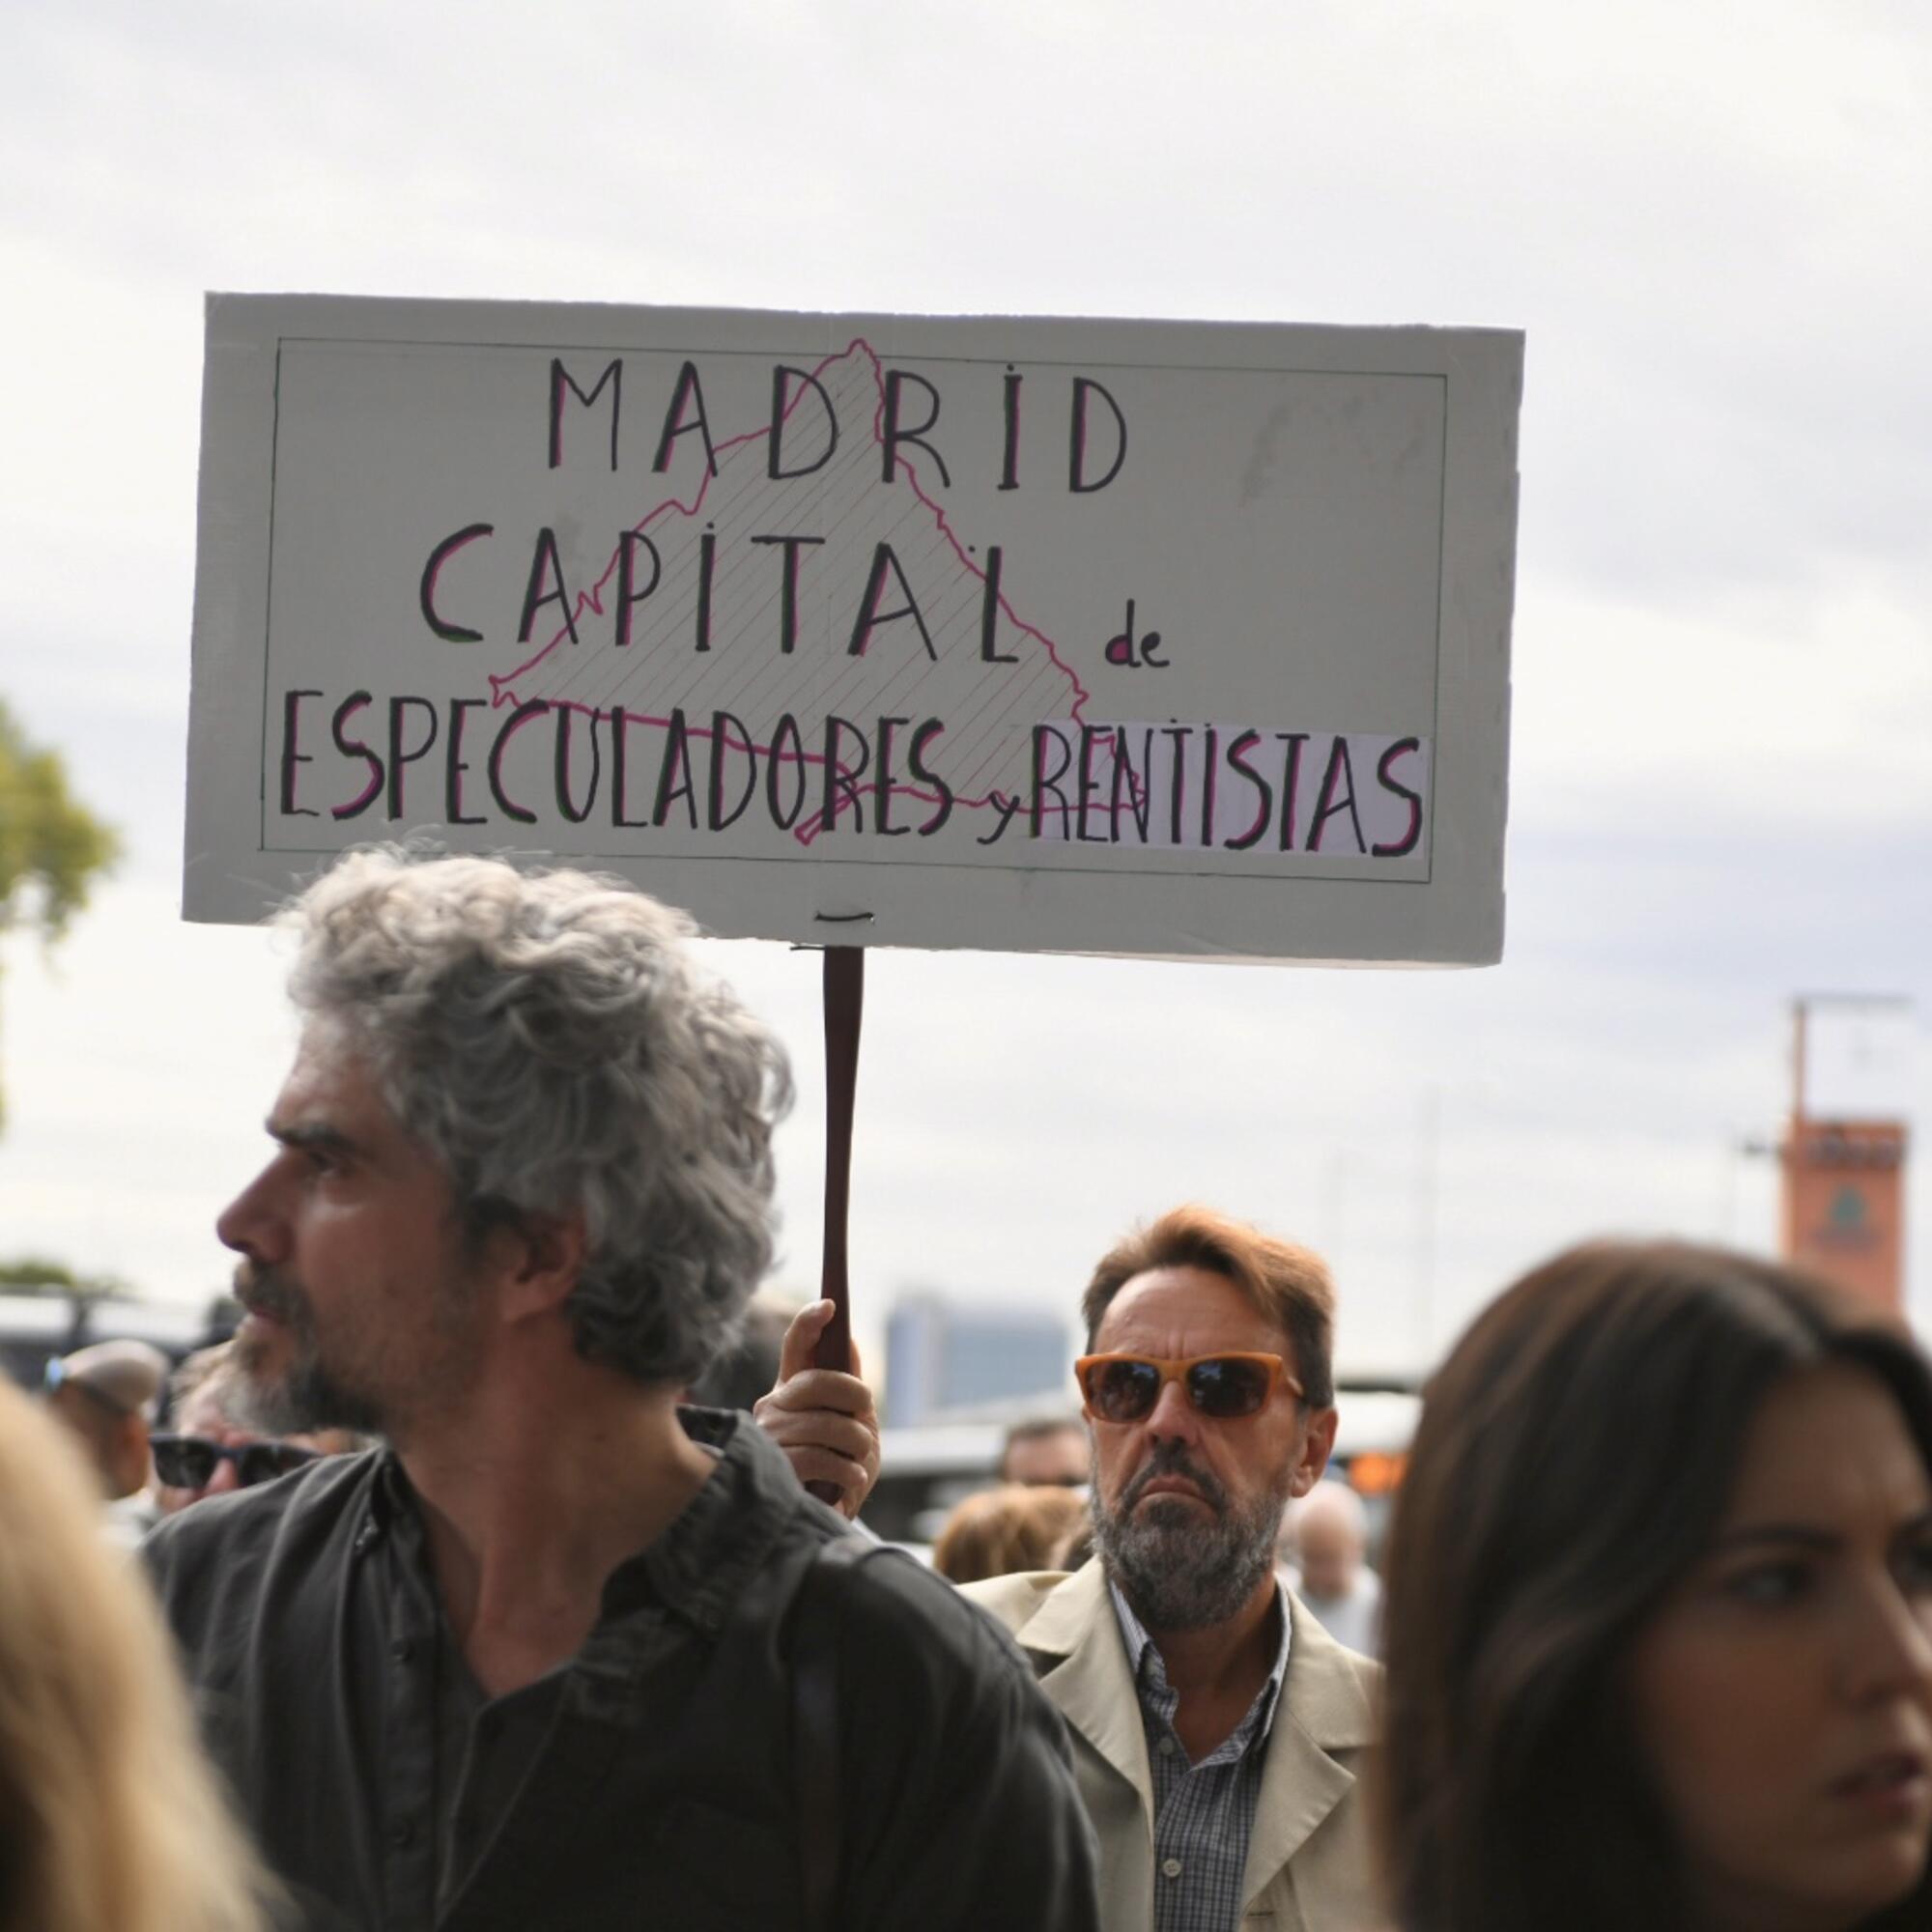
1308 1862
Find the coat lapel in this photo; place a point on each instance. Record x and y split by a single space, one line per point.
1323 1708
1091 1683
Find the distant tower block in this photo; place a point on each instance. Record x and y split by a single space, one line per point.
1844 1181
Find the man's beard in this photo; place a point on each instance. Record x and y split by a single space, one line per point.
307 1395
1177 1572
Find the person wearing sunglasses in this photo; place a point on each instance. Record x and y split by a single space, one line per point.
202 1466
1218 1729
214 1442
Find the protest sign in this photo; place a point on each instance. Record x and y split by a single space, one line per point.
1168 638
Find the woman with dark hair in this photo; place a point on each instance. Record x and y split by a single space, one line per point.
1659 1610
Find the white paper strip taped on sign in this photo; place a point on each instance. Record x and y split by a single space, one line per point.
1173 638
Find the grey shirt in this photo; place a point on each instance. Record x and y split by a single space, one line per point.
651 1780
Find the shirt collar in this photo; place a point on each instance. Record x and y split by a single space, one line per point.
708 1554
701 1562
1145 1661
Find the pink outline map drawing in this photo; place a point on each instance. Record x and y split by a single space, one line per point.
932 665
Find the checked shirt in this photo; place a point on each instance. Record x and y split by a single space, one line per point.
1204 1814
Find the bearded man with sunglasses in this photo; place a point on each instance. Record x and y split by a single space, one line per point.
1218 1730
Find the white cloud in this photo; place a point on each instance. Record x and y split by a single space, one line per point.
1708 219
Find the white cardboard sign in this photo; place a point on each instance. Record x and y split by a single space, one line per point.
1169 638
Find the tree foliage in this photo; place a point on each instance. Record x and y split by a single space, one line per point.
52 848
36 1274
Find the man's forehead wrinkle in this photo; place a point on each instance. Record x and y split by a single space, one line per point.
334 1103
1170 1306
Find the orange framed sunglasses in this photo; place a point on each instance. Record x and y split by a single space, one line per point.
1230 1386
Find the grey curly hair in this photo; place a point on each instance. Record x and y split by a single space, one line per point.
548 1035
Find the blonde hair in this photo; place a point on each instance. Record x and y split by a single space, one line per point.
111 1820
996 1532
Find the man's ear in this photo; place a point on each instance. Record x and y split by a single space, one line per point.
1315 1450
537 1260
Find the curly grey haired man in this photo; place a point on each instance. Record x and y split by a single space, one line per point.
563 1653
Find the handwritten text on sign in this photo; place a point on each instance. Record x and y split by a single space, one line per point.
1037 629
802 641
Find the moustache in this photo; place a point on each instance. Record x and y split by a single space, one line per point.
263 1291
1170 1458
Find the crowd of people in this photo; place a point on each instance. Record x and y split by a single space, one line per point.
454 1613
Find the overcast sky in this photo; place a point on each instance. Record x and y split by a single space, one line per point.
1710 220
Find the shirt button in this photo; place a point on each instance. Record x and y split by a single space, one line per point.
1167 1746
402 1649
404 1836
1170 1867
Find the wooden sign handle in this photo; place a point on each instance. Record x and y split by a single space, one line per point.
845 1005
